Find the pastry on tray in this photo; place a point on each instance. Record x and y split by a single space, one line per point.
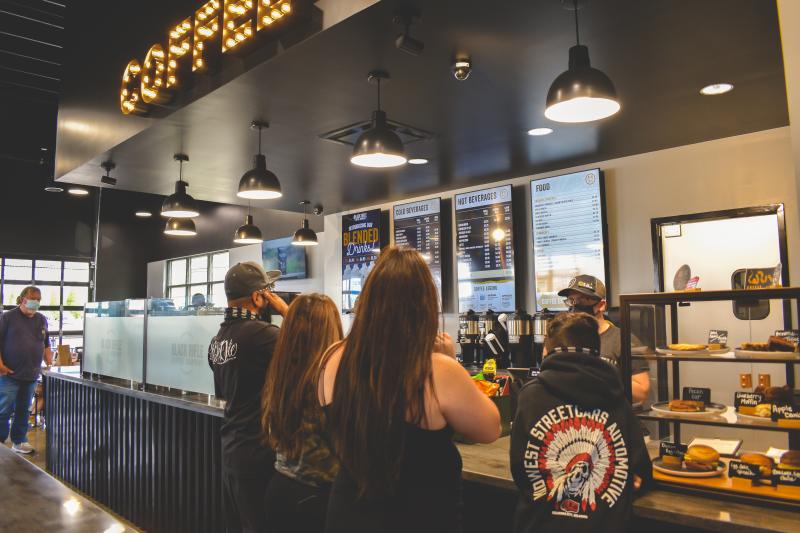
779 344
687 347
790 460
701 458
763 462
687 406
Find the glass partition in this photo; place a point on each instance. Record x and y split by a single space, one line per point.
114 339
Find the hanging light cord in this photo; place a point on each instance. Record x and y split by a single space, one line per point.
379 94
259 139
180 171
577 34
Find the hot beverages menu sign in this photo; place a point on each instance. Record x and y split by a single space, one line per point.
360 248
485 250
418 225
568 233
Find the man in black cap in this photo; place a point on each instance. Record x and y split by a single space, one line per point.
239 356
587 294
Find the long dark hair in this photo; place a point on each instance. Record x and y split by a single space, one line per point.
385 369
290 389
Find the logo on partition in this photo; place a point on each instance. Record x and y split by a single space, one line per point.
590 178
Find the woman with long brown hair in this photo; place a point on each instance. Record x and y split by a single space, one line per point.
293 421
394 393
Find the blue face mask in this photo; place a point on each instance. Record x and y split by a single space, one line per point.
32 305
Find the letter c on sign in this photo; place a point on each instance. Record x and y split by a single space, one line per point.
129 98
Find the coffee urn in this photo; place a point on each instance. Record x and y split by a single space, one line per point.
520 339
494 339
469 337
540 322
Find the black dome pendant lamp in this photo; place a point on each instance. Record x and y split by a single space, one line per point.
179 204
581 93
259 183
180 227
248 233
305 236
379 146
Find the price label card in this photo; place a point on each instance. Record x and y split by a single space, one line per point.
718 336
792 335
782 476
697 394
784 412
747 399
534 372
672 448
744 470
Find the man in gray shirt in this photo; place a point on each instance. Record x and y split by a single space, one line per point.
23 343
587 294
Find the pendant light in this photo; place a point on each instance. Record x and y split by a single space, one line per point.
259 183
581 93
249 232
180 227
379 146
305 236
180 204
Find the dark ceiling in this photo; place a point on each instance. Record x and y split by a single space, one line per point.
659 54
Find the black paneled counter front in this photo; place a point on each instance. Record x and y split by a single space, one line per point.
155 460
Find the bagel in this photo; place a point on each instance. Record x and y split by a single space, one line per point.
701 458
686 406
763 462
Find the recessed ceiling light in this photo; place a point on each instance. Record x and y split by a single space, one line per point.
716 88
143 214
538 132
78 191
53 188
418 161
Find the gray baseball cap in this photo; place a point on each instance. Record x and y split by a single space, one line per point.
243 279
587 285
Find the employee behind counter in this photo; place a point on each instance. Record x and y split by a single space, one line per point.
587 294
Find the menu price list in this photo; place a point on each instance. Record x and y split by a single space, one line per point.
418 226
567 233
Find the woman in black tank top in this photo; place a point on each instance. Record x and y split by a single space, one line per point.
394 391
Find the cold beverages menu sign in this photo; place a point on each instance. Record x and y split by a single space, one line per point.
485 250
568 234
418 225
360 248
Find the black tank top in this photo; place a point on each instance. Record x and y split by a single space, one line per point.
427 498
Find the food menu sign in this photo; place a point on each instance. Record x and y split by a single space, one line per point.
485 250
418 225
568 233
360 248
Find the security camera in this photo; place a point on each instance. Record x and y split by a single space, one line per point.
462 68
318 209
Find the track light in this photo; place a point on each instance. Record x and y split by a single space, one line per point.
180 204
259 183
108 166
379 146
405 41
306 236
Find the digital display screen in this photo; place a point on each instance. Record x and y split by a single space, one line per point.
485 250
568 233
280 254
418 225
360 249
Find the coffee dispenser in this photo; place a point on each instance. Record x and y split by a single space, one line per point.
520 339
469 337
541 321
494 339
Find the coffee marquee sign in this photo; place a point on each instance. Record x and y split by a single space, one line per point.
219 26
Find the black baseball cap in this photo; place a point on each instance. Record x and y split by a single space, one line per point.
586 285
243 279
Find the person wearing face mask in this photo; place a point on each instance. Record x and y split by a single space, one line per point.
23 344
587 294
239 356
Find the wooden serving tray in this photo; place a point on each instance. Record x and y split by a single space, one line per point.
737 486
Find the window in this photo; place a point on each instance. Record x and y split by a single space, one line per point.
197 280
65 290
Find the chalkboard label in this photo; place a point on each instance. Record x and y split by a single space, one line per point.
792 335
782 476
673 449
697 394
718 336
744 470
534 372
747 399
784 412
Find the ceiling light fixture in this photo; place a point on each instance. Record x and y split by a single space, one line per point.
108 166
306 236
259 183
581 93
716 88
180 204
78 191
180 227
248 233
50 185
406 17
379 146
143 214
538 132
418 161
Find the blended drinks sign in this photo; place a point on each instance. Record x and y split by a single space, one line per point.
360 249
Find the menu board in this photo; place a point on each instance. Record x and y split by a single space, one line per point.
485 250
360 248
568 233
418 225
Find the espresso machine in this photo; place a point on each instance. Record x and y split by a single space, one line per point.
494 339
520 339
469 337
541 320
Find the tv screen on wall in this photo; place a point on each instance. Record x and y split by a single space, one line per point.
279 254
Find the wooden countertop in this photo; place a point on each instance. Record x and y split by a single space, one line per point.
489 464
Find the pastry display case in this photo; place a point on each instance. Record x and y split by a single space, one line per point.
758 412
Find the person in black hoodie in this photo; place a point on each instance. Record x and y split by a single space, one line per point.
577 451
239 356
